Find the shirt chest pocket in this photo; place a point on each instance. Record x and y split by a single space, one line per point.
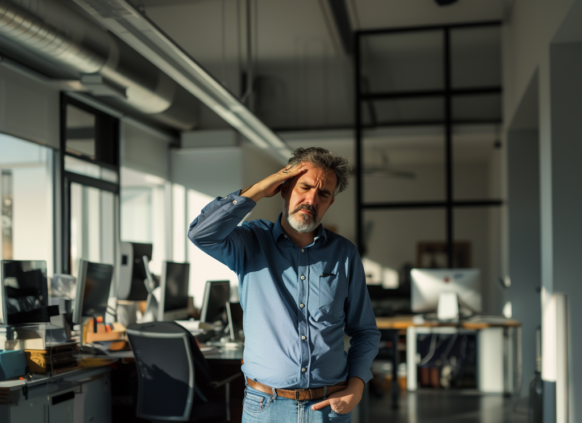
332 294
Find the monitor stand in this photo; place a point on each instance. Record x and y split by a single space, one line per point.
448 307
151 311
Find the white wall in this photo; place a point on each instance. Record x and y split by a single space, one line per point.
29 110
566 131
533 51
257 165
524 241
526 38
143 150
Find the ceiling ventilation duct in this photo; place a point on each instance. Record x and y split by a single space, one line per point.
55 40
131 26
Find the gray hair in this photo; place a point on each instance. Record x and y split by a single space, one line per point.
325 160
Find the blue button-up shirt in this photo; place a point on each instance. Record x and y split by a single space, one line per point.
297 302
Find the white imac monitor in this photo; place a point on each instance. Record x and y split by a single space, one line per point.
173 304
427 285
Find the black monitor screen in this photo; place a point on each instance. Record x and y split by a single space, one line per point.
176 294
138 291
235 319
25 287
140 250
97 285
216 295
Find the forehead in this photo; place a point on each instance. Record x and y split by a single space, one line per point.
325 179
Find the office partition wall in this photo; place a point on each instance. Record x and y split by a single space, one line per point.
427 123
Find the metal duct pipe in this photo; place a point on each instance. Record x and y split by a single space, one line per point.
57 33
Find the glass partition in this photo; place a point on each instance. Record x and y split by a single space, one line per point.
407 61
404 164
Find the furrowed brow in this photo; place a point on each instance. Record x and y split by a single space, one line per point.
324 191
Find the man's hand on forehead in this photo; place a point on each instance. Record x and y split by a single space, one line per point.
271 185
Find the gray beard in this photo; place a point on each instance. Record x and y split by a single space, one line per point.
302 223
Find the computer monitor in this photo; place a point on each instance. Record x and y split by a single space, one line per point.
24 292
234 313
93 285
216 295
429 284
132 272
174 291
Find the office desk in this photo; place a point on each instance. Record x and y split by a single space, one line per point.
222 354
81 395
495 372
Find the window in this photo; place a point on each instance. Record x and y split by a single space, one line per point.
202 267
26 193
90 169
143 213
428 112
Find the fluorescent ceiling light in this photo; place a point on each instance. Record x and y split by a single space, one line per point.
146 38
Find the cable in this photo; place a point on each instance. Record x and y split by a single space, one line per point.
445 355
431 351
112 312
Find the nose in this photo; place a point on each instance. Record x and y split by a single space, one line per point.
310 197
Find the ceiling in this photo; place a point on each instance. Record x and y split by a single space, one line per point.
291 33
406 146
287 29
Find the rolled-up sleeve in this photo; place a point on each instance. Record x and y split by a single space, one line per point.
216 232
360 323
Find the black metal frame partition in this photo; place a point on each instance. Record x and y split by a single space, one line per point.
111 134
447 93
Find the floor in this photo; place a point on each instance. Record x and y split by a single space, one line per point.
450 406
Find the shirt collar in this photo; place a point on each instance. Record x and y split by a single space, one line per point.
278 230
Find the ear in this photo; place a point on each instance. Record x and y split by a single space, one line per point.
332 201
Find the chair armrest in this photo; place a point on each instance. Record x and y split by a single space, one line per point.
218 383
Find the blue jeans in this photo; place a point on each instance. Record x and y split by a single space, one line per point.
264 408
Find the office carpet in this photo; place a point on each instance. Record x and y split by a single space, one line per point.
451 406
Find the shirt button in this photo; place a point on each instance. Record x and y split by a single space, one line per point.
302 250
303 369
303 337
302 277
301 305
285 236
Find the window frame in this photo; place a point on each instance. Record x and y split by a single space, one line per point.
107 138
364 101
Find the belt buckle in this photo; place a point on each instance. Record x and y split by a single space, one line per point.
298 391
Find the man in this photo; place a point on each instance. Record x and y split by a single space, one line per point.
300 287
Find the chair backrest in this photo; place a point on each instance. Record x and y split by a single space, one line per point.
164 357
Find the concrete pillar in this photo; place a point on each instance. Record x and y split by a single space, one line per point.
561 211
566 174
524 241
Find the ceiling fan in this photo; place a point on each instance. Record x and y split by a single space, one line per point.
385 170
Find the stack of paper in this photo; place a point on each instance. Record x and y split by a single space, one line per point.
54 359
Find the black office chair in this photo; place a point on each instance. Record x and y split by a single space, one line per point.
175 382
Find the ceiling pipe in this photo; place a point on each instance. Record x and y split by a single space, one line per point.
135 29
103 65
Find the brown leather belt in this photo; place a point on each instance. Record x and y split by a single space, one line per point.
298 394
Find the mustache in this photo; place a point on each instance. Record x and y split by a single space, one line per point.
307 207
